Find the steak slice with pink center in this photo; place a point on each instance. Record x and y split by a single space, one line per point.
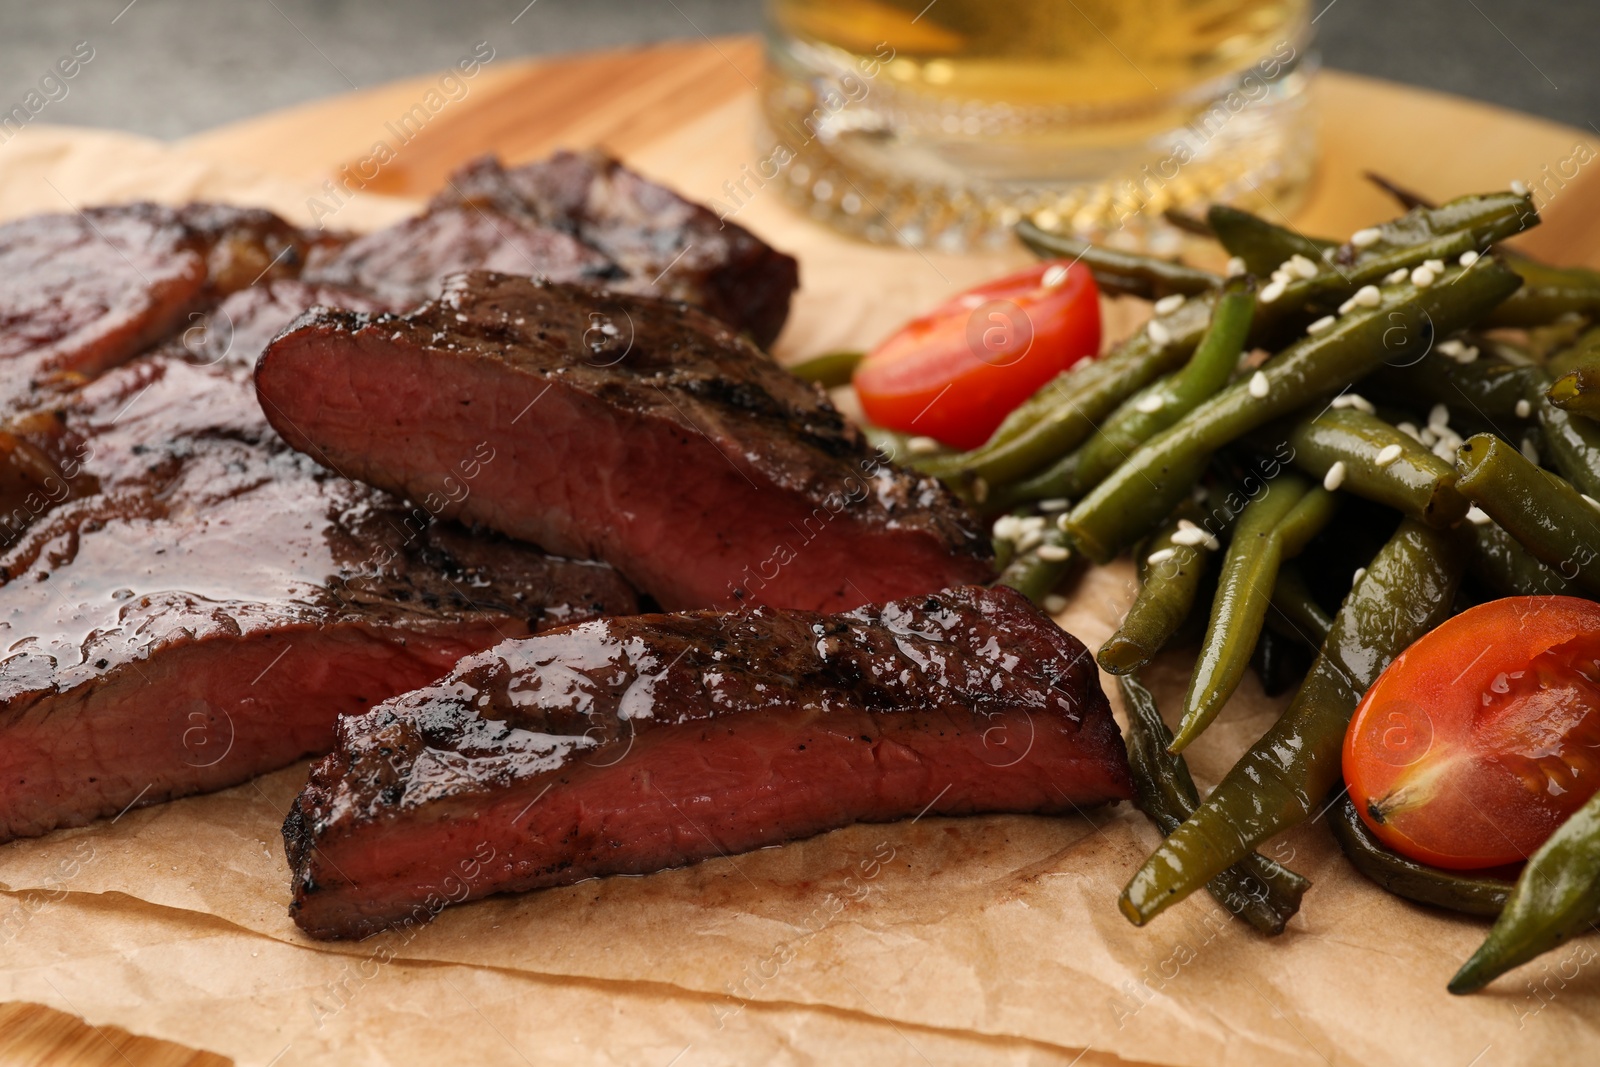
628 746
634 430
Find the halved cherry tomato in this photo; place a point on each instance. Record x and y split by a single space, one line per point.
1481 738
955 373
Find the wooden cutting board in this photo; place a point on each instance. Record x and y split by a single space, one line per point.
685 113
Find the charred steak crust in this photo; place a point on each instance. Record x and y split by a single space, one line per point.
633 745
662 244
642 432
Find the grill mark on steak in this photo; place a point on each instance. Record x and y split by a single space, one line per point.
669 447
206 601
576 218
628 746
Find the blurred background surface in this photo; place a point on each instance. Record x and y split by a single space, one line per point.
169 68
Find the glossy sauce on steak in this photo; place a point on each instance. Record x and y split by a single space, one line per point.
627 746
190 603
635 431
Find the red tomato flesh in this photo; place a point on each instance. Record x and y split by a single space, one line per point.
956 372
1481 738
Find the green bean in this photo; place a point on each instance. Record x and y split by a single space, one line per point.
1150 483
1495 558
1557 896
1407 590
1060 416
1116 271
1153 408
1571 442
1489 389
1471 894
1380 463
829 370
1581 351
1169 579
1274 525
1293 600
1405 197
1541 510
1037 571
1262 245
1578 390
1192 224
1547 294
1256 889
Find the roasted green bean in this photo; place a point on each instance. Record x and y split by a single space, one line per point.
829 370
1060 416
1547 294
1036 571
1541 510
1571 442
1263 893
1116 271
1150 410
1557 896
1578 390
1408 589
1472 894
1490 392
1292 599
1169 579
1495 558
1262 245
1275 525
1378 462
1150 483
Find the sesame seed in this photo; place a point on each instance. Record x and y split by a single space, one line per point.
1410 430
1159 333
1005 528
1236 267
1435 265
1519 188
1302 266
1259 386
1168 304
1029 541
922 446
1330 253
1428 437
1272 291
1190 538
1396 276
1161 556
1061 522
1327 322
1468 258
1055 503
1151 404
1446 448
1438 416
1055 603
1368 296
1335 476
1422 277
1054 553
1469 354
1524 409
1450 348
1477 516
1355 579
1054 276
1366 238
1388 454
1031 524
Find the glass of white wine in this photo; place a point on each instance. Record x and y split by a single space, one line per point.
941 123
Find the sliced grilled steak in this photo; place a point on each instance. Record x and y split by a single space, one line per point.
634 430
237 330
632 745
198 602
83 292
663 244
406 263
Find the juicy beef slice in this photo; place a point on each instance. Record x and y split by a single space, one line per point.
237 330
83 292
200 602
664 245
633 745
634 430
